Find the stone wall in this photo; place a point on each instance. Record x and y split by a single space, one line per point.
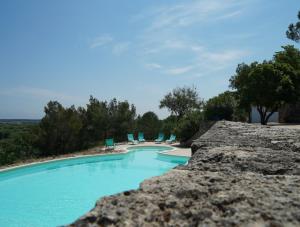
239 175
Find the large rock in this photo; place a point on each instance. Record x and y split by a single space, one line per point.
239 175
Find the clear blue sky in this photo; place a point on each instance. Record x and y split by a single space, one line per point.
138 51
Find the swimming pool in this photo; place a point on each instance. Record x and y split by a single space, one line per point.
58 192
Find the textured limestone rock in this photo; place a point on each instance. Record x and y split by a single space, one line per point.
239 175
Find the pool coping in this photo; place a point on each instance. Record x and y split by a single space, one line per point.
122 151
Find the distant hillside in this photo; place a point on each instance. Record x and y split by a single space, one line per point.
19 121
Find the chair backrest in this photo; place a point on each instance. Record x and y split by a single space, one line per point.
130 137
161 135
141 135
109 142
172 137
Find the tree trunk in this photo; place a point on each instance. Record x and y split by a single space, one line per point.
264 117
269 115
262 112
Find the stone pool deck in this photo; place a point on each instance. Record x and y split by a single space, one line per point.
177 151
96 151
239 175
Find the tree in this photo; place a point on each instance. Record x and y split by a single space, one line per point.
149 124
290 56
220 107
188 125
169 125
18 145
96 122
225 106
59 130
181 101
293 31
121 119
267 86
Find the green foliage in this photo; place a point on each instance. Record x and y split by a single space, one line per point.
169 125
121 119
267 86
293 31
63 130
188 125
149 124
4 135
289 55
17 144
59 130
258 87
222 107
95 120
181 101
288 61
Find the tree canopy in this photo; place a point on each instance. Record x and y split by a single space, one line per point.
64 130
149 124
59 130
188 125
268 85
293 31
221 107
181 101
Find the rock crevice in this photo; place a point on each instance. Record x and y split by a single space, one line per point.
239 175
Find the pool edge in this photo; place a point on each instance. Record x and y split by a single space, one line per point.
123 151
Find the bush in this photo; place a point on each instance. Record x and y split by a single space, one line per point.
149 124
188 126
17 148
169 125
224 107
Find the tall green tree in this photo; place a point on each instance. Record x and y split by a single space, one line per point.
181 101
267 86
121 119
149 124
290 57
293 31
96 122
59 130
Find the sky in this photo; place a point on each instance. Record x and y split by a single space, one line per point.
138 50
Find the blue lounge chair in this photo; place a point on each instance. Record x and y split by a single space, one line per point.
141 137
131 139
160 138
171 139
110 144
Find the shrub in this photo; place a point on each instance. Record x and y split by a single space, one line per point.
188 126
149 124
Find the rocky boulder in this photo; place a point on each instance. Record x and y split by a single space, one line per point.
239 175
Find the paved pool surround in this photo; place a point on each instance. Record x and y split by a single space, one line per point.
120 149
239 175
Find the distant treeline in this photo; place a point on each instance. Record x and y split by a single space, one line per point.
17 142
20 121
70 129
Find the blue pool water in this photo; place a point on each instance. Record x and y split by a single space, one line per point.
57 193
